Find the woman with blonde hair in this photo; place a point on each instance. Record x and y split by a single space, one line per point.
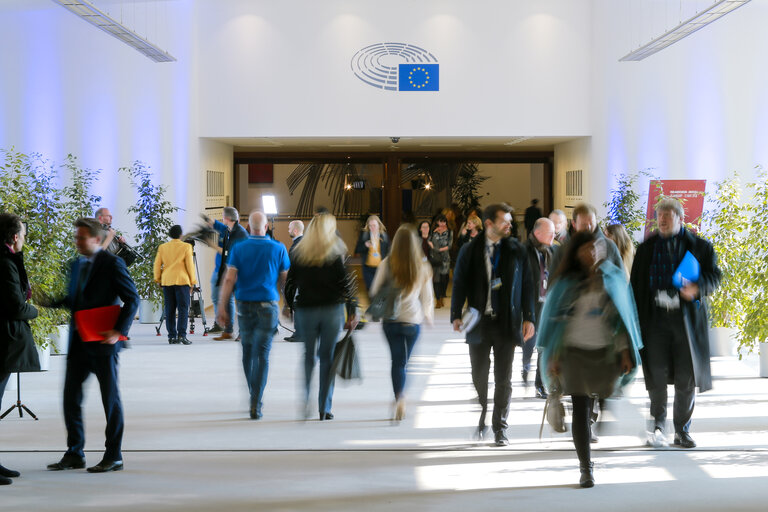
621 238
317 289
372 246
410 278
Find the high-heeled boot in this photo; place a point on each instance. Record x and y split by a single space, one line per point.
587 478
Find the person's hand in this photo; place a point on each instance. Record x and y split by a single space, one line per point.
222 318
287 312
528 330
431 245
351 323
690 292
206 219
110 337
368 244
626 362
554 368
457 324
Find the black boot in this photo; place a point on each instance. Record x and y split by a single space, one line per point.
587 478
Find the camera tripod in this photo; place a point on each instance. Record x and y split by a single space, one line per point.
18 405
196 303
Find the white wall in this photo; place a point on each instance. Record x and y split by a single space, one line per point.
697 109
572 156
508 67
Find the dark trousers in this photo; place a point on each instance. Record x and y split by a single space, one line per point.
3 382
667 350
368 274
102 363
582 409
176 298
486 336
440 282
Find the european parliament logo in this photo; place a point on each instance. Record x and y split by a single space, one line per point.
397 67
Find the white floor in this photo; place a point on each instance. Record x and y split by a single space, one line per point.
189 444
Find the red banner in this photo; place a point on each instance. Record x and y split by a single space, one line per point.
689 192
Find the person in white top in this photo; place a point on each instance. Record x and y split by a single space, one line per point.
411 279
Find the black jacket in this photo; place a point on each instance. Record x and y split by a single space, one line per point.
533 264
238 234
17 347
694 313
107 281
329 284
362 249
470 284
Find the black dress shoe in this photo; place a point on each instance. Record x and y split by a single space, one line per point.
106 465
183 340
67 462
501 439
684 440
291 339
255 415
8 473
5 481
216 328
326 416
173 341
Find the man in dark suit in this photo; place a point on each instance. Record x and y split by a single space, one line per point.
493 275
673 320
296 232
98 279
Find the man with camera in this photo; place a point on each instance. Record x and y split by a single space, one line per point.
111 239
175 271
234 233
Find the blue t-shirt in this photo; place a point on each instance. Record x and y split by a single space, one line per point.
258 261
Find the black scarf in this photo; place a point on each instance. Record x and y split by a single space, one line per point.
667 254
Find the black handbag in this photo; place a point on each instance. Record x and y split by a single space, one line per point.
345 361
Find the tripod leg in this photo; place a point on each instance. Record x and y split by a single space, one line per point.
6 413
162 319
28 411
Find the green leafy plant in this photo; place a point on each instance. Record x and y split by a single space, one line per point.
153 214
465 190
625 206
755 301
28 188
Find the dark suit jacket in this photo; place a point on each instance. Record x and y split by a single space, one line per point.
694 313
470 284
238 234
107 282
295 242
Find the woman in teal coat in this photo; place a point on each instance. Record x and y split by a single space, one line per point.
589 337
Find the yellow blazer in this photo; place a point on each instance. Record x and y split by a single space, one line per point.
174 265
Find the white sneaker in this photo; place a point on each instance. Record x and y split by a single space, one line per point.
400 409
657 439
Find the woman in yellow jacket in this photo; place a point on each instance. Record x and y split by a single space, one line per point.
175 272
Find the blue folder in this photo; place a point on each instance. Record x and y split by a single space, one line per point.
687 272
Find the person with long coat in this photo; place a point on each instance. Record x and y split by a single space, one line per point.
17 347
673 320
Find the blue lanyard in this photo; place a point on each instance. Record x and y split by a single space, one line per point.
495 258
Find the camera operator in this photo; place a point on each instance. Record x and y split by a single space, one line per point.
175 272
232 233
111 239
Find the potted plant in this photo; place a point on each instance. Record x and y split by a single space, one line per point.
153 215
624 206
27 188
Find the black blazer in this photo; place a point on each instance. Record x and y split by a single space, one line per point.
362 249
17 347
470 284
107 282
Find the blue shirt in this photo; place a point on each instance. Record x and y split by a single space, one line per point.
258 260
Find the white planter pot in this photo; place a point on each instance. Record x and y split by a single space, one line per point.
45 357
764 359
149 313
60 339
722 341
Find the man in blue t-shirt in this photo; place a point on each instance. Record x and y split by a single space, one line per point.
259 267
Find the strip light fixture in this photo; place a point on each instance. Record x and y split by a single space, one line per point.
97 18
684 29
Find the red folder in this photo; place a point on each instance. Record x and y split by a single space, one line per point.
91 323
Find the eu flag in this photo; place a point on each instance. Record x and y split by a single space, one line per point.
419 77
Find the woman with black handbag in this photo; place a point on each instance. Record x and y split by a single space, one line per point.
17 348
406 272
589 338
317 288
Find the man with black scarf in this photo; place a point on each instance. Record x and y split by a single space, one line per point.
673 320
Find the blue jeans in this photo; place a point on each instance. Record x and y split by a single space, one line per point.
323 323
176 297
257 321
230 306
401 338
